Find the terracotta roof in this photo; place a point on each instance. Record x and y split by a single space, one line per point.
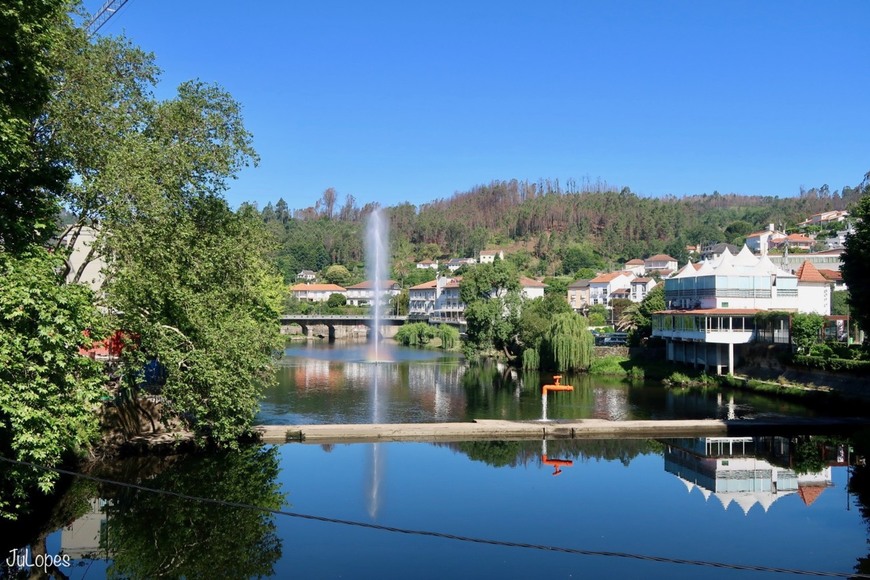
317 288
454 283
387 284
809 273
604 278
430 285
660 258
621 292
635 262
531 283
799 239
490 252
426 262
832 275
641 281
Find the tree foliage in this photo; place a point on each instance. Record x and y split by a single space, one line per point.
567 344
491 293
49 393
806 330
855 260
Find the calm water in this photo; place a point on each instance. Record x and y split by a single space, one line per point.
613 508
734 502
322 383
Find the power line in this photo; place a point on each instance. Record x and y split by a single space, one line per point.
101 16
445 536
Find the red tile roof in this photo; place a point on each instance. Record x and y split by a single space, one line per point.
430 285
531 283
832 275
387 284
810 493
661 258
604 278
635 262
809 273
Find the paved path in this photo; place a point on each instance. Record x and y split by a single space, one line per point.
538 430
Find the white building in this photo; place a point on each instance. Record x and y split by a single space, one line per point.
306 276
363 294
635 266
427 265
316 292
603 285
578 295
449 306
456 263
640 287
530 289
489 256
660 262
423 298
715 307
94 273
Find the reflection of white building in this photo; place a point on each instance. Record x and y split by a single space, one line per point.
81 538
727 468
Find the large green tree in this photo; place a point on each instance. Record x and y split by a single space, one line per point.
49 393
491 293
855 260
30 173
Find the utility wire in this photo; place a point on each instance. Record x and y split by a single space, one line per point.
445 536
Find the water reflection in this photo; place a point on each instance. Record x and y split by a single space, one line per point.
127 532
611 495
749 471
333 383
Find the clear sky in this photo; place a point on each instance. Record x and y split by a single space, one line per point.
394 101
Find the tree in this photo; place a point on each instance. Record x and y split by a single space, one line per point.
491 293
806 330
567 344
840 303
337 274
855 260
30 172
49 393
336 300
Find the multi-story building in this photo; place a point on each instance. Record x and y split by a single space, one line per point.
423 298
489 256
714 308
530 288
640 287
578 295
603 285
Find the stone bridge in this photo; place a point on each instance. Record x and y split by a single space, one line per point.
341 326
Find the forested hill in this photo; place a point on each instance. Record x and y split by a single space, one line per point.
544 223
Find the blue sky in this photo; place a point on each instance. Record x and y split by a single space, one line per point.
394 101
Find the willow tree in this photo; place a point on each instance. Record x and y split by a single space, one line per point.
567 344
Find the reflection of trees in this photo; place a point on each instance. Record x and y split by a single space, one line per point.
859 484
151 534
513 453
43 517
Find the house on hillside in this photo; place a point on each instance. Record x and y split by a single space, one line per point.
824 218
795 242
316 292
578 295
306 276
489 256
455 263
660 262
427 265
530 288
365 293
713 309
635 266
761 242
639 288
714 251
603 286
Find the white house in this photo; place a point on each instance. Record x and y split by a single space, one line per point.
640 287
316 292
825 218
306 275
489 256
427 264
530 289
456 263
603 285
635 266
363 294
660 262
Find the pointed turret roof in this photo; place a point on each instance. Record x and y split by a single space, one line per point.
809 273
